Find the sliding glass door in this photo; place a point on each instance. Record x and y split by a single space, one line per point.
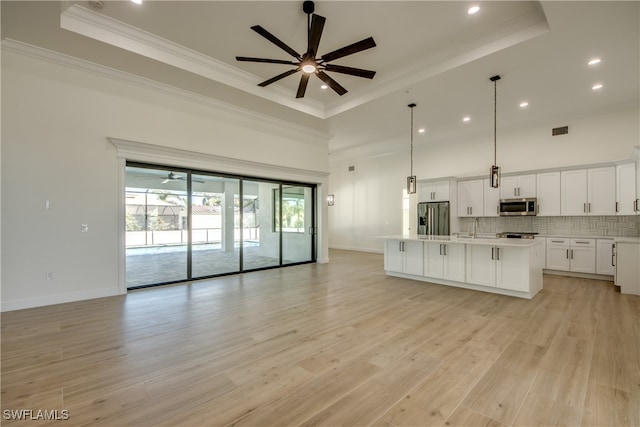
215 241
298 229
156 226
184 224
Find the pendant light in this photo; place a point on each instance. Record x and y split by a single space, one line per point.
494 172
411 179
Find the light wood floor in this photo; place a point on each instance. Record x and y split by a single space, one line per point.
335 344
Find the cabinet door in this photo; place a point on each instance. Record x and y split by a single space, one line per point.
425 192
491 199
548 190
454 262
470 198
481 266
413 258
573 191
509 187
604 257
434 259
583 255
558 254
527 186
512 268
441 191
601 196
626 189
393 259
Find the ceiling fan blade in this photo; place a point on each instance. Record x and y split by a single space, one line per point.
315 32
302 87
367 74
273 39
269 61
278 77
350 50
332 83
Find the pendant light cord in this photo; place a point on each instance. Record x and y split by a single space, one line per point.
411 138
495 120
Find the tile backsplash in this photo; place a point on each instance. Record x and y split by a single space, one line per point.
596 226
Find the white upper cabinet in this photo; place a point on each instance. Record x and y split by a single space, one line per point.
573 188
519 186
434 191
626 203
601 198
548 186
470 198
491 199
588 191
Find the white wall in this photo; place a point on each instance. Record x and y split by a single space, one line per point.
56 120
368 200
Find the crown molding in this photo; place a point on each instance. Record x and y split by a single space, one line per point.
111 31
245 116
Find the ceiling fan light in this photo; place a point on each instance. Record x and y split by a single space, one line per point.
309 68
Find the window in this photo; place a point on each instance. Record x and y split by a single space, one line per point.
293 210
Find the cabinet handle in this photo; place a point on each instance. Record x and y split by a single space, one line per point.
493 256
445 249
612 261
584 243
557 241
571 253
498 209
471 210
567 253
498 254
617 203
584 207
440 248
635 205
589 204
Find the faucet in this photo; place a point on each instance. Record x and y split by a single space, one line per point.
475 228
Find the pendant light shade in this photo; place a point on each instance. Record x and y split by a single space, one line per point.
411 179
494 172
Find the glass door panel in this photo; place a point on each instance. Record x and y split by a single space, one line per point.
214 225
156 226
297 224
260 236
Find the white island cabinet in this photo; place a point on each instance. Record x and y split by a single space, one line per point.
504 266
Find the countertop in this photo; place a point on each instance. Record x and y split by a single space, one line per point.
635 240
615 239
519 243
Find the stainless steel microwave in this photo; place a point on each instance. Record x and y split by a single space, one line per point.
509 207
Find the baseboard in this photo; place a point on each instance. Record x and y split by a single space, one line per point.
21 304
357 249
580 275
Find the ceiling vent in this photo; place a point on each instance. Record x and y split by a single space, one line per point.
352 168
563 130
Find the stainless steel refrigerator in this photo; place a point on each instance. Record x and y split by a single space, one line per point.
433 218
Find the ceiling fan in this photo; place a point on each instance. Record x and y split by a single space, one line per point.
171 177
309 63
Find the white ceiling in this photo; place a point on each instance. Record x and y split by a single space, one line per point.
428 52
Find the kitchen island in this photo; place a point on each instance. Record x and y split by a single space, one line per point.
499 265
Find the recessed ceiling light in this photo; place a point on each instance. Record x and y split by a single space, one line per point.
597 86
466 119
324 87
473 10
421 130
136 1
594 61
524 104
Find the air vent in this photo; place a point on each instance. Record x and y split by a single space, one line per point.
560 131
352 168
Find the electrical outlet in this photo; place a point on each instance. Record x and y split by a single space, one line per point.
47 204
84 228
49 275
